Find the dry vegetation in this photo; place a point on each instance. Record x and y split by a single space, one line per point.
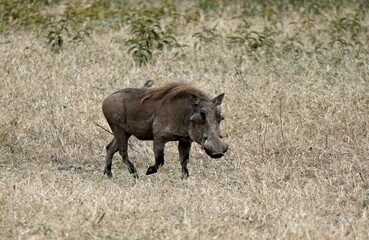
296 108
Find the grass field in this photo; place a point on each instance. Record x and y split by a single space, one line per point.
296 120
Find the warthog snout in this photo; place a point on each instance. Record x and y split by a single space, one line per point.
215 149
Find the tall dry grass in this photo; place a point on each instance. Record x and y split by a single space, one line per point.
297 168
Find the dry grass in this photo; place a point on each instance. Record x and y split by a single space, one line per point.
297 167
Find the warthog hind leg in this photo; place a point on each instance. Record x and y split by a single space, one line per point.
111 149
122 142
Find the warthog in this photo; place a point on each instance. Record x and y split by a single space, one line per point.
175 112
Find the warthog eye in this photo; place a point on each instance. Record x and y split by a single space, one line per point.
219 117
203 114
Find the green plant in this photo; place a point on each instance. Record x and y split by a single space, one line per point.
148 37
57 29
205 37
63 29
254 40
23 14
347 30
208 5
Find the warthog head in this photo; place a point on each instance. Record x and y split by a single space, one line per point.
204 126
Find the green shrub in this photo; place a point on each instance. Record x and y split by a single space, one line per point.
148 37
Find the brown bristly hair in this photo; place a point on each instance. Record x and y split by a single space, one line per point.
171 91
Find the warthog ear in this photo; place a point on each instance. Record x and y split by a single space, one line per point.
195 100
218 99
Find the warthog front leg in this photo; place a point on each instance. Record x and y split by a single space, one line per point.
111 148
159 157
184 156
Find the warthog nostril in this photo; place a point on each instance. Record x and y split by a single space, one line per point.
217 155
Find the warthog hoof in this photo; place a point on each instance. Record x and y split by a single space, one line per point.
108 173
185 175
151 170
